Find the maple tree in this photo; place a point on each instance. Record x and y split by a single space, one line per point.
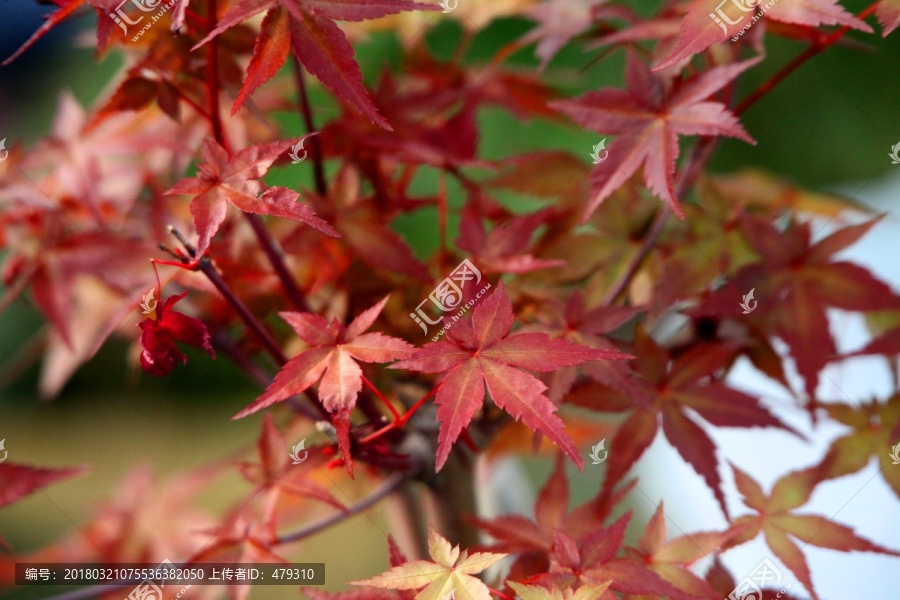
569 309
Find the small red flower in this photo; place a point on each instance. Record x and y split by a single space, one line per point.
160 353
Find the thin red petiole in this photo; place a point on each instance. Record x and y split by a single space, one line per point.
416 406
468 441
500 594
378 393
402 420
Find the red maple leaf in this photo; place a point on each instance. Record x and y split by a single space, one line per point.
673 390
334 350
532 539
480 354
309 27
794 283
223 179
888 13
593 561
699 30
275 475
648 118
17 480
776 521
158 337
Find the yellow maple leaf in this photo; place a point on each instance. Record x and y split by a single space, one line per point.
451 571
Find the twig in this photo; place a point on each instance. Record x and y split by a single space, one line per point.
819 45
316 146
206 267
276 258
390 484
212 76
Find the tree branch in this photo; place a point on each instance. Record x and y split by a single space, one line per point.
389 485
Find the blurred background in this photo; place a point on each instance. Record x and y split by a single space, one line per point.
829 127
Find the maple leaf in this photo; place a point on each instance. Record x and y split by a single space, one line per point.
698 30
724 583
502 250
779 525
585 592
308 26
533 538
875 429
450 571
276 475
672 559
676 390
479 354
647 120
66 9
575 322
223 179
795 282
888 13
158 336
17 481
334 350
238 542
593 561
559 21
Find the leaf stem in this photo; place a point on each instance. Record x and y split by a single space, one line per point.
315 144
400 422
378 393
